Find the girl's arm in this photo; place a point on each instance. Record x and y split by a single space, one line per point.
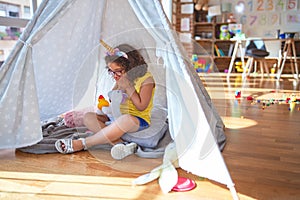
141 100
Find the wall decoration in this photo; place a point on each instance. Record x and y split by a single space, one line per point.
262 18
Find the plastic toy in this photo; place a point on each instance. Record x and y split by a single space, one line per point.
224 34
184 184
200 64
238 94
239 66
249 98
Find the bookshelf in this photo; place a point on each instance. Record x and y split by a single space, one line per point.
208 44
204 35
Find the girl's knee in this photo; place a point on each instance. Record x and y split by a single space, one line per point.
88 117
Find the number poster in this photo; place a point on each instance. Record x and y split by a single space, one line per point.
262 18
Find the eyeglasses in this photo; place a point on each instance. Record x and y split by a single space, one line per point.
117 73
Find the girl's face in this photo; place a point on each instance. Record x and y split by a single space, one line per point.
115 70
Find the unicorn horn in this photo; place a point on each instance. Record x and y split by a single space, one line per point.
107 47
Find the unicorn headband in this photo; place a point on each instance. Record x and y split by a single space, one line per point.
113 52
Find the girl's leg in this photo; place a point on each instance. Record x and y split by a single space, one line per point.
94 122
109 134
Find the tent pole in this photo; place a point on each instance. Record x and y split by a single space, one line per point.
233 193
34 5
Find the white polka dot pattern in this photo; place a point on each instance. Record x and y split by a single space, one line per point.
53 69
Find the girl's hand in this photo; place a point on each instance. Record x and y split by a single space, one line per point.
124 83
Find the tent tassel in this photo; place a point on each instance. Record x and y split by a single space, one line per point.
25 43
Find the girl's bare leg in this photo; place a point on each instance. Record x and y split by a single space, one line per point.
94 122
109 134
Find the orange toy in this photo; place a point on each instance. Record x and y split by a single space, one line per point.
102 102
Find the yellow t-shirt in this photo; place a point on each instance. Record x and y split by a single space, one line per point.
129 108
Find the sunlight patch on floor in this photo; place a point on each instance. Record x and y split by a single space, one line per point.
280 95
229 93
238 123
67 185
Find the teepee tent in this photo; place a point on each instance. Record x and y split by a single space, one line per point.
58 64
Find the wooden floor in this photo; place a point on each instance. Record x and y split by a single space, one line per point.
262 154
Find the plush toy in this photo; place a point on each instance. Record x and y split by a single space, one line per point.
224 34
231 18
102 102
74 118
112 111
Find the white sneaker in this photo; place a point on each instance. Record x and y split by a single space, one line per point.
121 150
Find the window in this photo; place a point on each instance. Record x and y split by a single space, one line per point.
2 13
27 12
13 14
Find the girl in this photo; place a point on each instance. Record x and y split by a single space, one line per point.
129 70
